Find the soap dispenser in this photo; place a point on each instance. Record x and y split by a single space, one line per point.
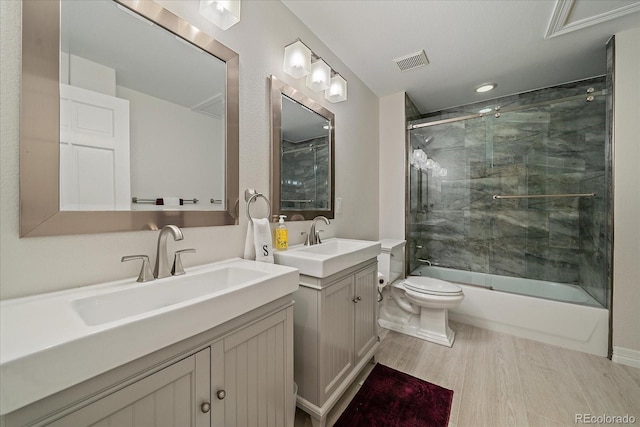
282 235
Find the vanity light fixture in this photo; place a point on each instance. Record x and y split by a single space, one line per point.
223 13
486 87
320 76
297 59
337 91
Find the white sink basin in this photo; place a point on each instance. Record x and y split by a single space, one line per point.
329 257
53 341
135 300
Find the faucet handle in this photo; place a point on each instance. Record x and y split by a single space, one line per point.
178 269
146 274
306 239
318 241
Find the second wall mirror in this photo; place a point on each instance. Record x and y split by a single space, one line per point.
302 152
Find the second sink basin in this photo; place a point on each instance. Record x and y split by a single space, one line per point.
329 257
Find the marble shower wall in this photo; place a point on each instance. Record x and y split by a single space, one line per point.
305 174
548 145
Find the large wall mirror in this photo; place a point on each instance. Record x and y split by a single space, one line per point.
302 167
129 120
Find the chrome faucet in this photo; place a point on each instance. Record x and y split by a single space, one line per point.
314 236
163 268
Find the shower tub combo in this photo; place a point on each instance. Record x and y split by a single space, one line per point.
516 204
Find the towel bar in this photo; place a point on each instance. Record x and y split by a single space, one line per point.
251 196
156 201
542 196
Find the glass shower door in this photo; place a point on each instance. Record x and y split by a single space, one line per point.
508 194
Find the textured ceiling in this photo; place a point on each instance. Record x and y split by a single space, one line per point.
468 42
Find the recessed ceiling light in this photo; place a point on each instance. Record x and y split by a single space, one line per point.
486 87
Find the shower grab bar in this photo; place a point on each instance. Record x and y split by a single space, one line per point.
296 201
542 196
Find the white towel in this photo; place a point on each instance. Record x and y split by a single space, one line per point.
171 201
249 248
262 240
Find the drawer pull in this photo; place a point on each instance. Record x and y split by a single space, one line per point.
205 407
221 394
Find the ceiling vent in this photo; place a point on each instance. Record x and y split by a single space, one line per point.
213 106
411 61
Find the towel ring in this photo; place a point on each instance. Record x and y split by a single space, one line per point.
253 198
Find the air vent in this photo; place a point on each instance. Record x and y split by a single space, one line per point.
411 61
213 106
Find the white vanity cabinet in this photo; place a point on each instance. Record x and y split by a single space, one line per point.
168 397
252 374
335 335
238 374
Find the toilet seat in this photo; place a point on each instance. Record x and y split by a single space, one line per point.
431 286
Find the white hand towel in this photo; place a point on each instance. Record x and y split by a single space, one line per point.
249 248
171 201
262 240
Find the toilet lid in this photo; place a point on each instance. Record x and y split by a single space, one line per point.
429 285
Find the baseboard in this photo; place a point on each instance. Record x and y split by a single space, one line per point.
626 356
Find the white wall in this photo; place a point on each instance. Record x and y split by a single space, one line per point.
191 142
392 166
626 248
35 265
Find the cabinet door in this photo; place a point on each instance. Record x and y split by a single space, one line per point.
336 336
254 369
170 397
365 311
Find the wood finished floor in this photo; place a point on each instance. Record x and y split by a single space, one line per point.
502 380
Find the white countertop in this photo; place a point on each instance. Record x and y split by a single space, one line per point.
46 346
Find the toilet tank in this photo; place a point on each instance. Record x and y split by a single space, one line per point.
391 260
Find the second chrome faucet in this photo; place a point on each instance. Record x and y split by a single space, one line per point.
314 236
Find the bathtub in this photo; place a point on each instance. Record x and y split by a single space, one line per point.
553 313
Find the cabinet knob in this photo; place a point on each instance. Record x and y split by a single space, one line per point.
221 394
205 407
356 299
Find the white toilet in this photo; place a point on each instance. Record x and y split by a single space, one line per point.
418 305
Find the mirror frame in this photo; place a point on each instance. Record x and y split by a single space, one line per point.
40 213
277 90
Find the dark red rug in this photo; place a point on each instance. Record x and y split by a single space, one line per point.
392 398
